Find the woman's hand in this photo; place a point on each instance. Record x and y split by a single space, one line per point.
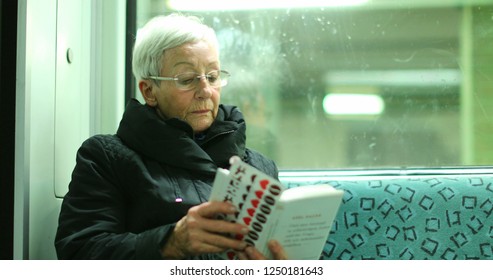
250 253
198 232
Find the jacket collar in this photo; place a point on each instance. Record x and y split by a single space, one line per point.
171 141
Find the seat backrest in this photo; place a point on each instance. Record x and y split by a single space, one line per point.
411 217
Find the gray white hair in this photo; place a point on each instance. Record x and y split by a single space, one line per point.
162 33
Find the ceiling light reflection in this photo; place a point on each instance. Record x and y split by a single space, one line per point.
200 5
353 104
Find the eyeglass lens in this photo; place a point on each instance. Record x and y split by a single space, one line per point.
190 80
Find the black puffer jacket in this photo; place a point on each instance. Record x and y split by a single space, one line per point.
124 197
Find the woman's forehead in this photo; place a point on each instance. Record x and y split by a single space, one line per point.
195 54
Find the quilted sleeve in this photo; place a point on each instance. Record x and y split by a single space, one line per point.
92 217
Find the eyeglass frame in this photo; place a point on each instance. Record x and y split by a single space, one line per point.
196 79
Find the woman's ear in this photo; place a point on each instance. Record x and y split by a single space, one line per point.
146 89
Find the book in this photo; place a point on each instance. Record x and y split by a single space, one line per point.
299 218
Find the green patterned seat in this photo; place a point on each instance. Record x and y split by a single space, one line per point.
413 217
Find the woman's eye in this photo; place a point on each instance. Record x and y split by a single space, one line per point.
212 79
186 80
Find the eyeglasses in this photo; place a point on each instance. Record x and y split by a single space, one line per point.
190 80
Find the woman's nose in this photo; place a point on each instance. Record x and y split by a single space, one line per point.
204 89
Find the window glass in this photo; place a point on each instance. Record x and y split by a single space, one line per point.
373 84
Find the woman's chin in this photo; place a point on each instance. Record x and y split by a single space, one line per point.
201 126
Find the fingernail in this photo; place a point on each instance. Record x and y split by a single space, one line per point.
244 230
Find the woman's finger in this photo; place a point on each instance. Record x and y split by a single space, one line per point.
202 217
277 250
211 209
254 254
221 242
223 227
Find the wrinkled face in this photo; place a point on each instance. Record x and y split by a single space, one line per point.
198 107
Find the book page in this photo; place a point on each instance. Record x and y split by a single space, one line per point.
305 219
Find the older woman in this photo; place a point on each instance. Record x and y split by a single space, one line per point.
142 193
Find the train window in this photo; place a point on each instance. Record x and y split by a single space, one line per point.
356 83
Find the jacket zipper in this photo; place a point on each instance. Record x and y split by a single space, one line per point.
217 135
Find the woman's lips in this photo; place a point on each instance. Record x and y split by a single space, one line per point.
201 111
